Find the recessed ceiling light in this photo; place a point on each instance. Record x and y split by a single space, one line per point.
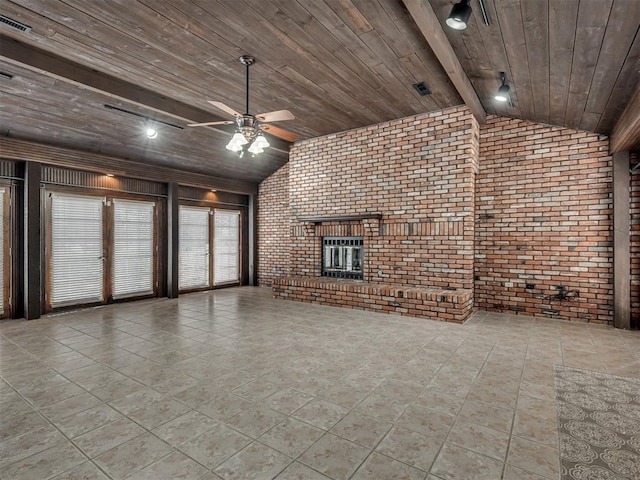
151 132
109 174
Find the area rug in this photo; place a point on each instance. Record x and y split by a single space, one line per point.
599 425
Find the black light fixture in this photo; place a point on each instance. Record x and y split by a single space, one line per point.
459 15
502 95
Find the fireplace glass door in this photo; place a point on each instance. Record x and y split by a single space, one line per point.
342 257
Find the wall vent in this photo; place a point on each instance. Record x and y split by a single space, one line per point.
10 22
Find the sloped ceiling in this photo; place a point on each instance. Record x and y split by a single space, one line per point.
335 64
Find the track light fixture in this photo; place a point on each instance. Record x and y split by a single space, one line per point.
459 15
502 95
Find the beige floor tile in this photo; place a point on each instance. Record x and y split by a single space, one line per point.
291 437
487 415
254 462
534 426
457 463
287 400
29 443
334 456
344 395
298 471
104 438
224 405
69 406
381 407
174 466
12 424
215 446
45 464
361 429
158 413
117 390
441 402
135 401
410 447
83 422
479 439
256 390
534 457
514 473
255 420
133 455
426 421
184 428
321 413
84 471
378 467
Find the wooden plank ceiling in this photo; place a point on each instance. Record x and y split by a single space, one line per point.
335 64
573 63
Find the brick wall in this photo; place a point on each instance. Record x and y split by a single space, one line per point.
543 217
417 172
274 227
635 241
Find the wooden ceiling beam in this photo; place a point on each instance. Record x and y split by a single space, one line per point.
54 66
21 150
625 135
429 25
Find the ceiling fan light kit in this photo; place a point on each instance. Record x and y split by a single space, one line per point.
459 16
249 127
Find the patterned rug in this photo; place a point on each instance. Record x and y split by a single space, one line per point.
599 425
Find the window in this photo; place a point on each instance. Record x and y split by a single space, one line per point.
133 248
193 247
99 249
226 261
209 247
77 250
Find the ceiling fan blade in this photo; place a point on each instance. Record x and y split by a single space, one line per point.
279 132
277 116
225 108
206 124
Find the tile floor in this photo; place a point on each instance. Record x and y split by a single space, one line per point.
233 384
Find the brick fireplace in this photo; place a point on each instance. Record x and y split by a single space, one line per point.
406 187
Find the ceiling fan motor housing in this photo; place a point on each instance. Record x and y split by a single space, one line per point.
248 125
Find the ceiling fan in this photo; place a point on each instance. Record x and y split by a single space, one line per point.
249 127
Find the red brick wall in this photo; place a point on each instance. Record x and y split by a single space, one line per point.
417 172
635 241
543 217
274 227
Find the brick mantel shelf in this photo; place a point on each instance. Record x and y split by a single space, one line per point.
346 218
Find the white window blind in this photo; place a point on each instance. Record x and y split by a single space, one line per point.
226 234
2 245
133 229
76 249
193 247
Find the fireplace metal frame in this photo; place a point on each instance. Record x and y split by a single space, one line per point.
346 248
